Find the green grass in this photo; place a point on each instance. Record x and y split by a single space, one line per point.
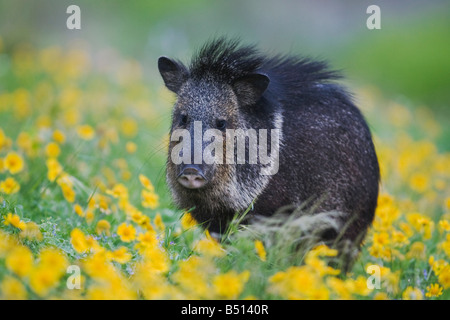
124 109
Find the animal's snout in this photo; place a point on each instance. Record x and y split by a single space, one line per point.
192 177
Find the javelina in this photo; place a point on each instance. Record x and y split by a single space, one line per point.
326 155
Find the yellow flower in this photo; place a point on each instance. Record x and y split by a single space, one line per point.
54 260
417 251
152 285
259 247
419 182
126 232
103 226
159 224
437 265
230 285
90 215
381 296
421 223
103 203
137 216
359 286
146 183
320 266
92 244
14 220
434 290
86 132
149 199
188 221
125 205
7 242
340 287
20 261
444 226
9 186
323 251
98 266
209 247
145 223
118 191
379 251
42 280
54 169
12 289
2 165
78 210
31 232
121 255
399 238
13 162
386 213
156 259
52 150
92 202
59 137
129 127
43 121
146 240
444 277
78 241
22 106
68 193
121 163
406 229
126 175
115 289
412 294
391 280
381 238
25 142
3 139
131 147
445 245
193 275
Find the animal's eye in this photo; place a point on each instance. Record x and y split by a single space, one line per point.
221 124
184 119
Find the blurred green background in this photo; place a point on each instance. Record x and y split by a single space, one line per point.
408 59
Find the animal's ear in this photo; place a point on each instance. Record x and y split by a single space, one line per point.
250 88
173 73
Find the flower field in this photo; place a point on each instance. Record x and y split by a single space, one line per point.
83 138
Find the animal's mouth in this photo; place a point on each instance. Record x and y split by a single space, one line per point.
192 178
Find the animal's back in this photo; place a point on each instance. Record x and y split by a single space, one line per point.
327 157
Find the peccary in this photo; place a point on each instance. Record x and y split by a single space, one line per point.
326 157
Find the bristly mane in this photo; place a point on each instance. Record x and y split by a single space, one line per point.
226 60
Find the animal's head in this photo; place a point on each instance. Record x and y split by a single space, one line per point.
215 93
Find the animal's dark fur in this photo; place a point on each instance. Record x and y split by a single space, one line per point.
326 155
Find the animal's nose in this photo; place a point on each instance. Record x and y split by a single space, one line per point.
191 178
